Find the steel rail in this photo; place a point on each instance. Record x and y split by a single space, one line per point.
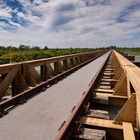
22 97
67 126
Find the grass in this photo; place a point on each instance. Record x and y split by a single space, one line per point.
130 51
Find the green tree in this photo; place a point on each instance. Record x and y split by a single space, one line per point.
24 47
45 48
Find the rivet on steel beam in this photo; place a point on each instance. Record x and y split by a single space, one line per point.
83 93
73 108
61 125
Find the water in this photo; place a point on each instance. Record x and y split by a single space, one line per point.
137 58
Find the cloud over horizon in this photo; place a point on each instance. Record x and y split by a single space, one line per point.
64 23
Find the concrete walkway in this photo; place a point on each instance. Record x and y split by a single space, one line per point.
41 116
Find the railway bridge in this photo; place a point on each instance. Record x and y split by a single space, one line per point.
85 96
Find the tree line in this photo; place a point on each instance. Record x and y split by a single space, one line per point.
13 54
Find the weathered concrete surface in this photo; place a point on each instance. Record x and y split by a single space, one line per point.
40 117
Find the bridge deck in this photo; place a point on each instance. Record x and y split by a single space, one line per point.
41 116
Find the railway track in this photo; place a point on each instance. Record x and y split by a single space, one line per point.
107 110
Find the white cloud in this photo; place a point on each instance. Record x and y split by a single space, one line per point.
4 11
64 23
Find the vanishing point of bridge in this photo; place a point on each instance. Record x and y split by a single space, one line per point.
86 96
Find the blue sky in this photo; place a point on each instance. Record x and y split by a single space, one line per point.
70 23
